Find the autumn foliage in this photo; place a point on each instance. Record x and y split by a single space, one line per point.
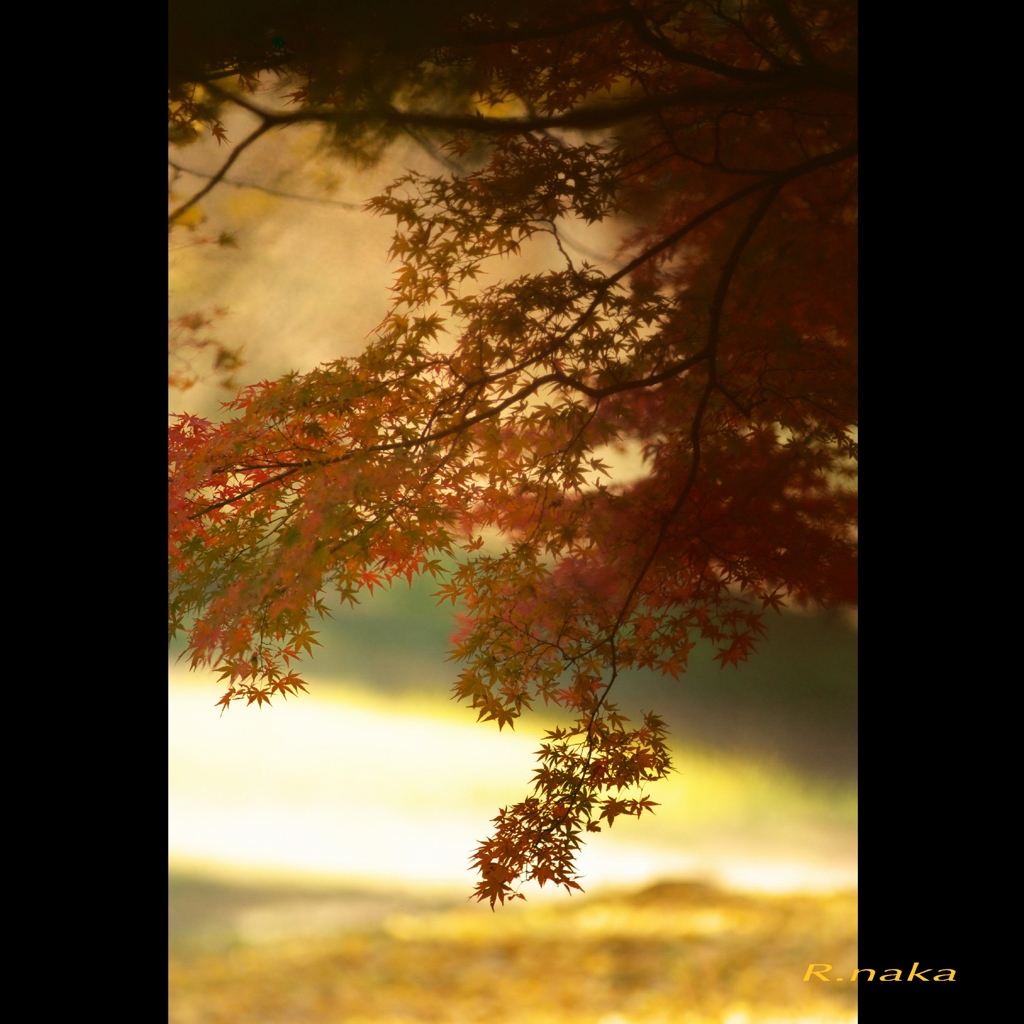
724 347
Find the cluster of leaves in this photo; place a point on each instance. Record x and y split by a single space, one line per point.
189 111
334 55
724 347
185 342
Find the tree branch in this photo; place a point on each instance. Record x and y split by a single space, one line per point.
783 17
765 51
252 490
718 302
770 179
775 184
709 352
219 176
605 116
658 42
779 177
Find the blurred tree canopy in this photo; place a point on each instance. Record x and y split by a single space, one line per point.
475 425
345 55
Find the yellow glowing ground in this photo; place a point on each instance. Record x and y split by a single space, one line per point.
671 953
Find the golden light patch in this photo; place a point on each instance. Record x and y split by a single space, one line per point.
666 955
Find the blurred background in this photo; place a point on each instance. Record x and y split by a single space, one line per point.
318 849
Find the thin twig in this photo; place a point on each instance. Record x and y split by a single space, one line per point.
263 188
219 176
710 351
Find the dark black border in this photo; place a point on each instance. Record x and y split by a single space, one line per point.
924 593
